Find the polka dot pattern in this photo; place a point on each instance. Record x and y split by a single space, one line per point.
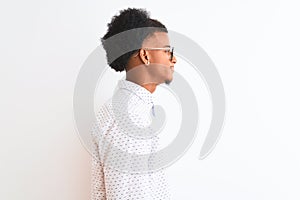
108 182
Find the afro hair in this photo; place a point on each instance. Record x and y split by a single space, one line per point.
128 19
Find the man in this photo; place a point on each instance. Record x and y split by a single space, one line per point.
139 45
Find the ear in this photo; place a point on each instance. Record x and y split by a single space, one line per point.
144 56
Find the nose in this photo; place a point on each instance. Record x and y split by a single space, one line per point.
174 60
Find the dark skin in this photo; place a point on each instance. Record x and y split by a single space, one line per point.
150 68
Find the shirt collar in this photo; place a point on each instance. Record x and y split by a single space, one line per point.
138 90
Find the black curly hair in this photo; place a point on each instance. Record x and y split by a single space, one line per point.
128 19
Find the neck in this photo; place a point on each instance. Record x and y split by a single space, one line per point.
150 87
138 73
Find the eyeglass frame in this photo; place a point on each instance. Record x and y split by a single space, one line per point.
171 50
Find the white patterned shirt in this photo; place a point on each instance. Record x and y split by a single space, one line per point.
109 182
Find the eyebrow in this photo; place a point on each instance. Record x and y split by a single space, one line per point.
167 46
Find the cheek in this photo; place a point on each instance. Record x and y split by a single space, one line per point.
161 59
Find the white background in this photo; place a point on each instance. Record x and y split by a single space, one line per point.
255 46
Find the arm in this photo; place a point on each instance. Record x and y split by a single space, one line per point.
97 174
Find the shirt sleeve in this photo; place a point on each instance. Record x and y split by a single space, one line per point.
111 183
107 181
125 185
97 173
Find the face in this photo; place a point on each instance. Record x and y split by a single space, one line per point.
161 67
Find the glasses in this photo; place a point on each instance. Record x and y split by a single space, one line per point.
167 50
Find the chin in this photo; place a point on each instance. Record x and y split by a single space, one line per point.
168 81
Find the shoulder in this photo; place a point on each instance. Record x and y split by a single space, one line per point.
103 119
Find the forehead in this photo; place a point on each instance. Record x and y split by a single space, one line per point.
157 39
